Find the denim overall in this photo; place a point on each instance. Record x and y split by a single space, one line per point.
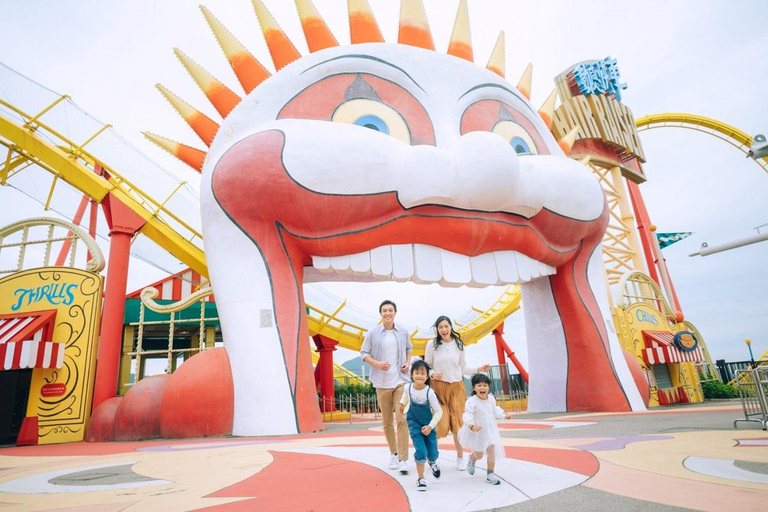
419 415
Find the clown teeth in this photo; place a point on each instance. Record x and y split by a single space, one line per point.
425 264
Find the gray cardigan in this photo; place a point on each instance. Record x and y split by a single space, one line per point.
373 347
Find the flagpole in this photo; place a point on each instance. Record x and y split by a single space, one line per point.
670 292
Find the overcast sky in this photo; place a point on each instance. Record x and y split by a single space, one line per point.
708 58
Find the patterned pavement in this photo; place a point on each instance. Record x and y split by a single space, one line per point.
687 457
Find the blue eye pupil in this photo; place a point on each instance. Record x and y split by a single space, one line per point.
373 122
520 146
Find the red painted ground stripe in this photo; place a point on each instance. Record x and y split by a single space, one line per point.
524 426
299 481
577 461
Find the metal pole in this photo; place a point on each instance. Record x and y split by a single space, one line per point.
751 356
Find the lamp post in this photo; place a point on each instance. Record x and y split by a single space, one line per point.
749 346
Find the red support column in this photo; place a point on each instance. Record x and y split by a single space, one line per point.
68 243
124 223
326 347
92 224
643 227
647 237
497 333
502 346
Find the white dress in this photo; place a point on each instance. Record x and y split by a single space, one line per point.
483 413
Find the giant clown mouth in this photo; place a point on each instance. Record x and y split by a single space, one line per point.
305 235
458 181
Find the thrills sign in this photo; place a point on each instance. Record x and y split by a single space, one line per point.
53 294
60 398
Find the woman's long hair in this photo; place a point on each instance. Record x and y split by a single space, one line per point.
456 337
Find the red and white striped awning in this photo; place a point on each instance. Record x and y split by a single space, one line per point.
176 287
25 341
662 349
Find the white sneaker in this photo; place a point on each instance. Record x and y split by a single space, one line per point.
460 466
421 484
393 462
403 465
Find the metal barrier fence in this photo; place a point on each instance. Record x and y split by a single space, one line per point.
364 406
728 371
753 392
509 389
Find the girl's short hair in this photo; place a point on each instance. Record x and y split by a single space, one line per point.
420 363
480 378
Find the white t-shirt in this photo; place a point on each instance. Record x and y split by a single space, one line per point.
421 396
394 377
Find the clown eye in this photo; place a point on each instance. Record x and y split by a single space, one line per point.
518 138
520 146
373 123
373 115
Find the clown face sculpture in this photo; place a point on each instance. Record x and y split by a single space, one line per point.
380 161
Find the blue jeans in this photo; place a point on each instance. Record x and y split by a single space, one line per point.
425 447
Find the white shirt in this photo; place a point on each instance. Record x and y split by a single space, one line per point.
421 396
447 358
393 377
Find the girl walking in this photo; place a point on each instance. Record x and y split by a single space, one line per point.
422 409
480 432
446 357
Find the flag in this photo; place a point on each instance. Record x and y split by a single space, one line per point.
666 239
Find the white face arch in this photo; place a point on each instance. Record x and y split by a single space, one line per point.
353 163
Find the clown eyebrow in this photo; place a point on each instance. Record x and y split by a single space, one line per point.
513 93
369 57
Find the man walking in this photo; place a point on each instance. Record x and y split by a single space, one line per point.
387 348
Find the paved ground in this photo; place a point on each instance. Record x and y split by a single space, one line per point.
677 458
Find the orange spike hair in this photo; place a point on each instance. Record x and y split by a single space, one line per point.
316 32
414 26
524 85
547 110
222 98
250 73
461 38
498 57
204 126
362 25
566 143
280 47
191 156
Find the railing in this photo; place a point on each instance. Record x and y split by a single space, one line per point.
729 371
362 406
753 392
509 389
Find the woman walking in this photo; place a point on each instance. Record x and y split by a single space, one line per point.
445 354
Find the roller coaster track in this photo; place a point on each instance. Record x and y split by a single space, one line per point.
350 336
722 131
34 142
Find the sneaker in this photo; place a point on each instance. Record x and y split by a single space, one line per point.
435 469
393 462
492 479
421 485
471 466
460 466
403 466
